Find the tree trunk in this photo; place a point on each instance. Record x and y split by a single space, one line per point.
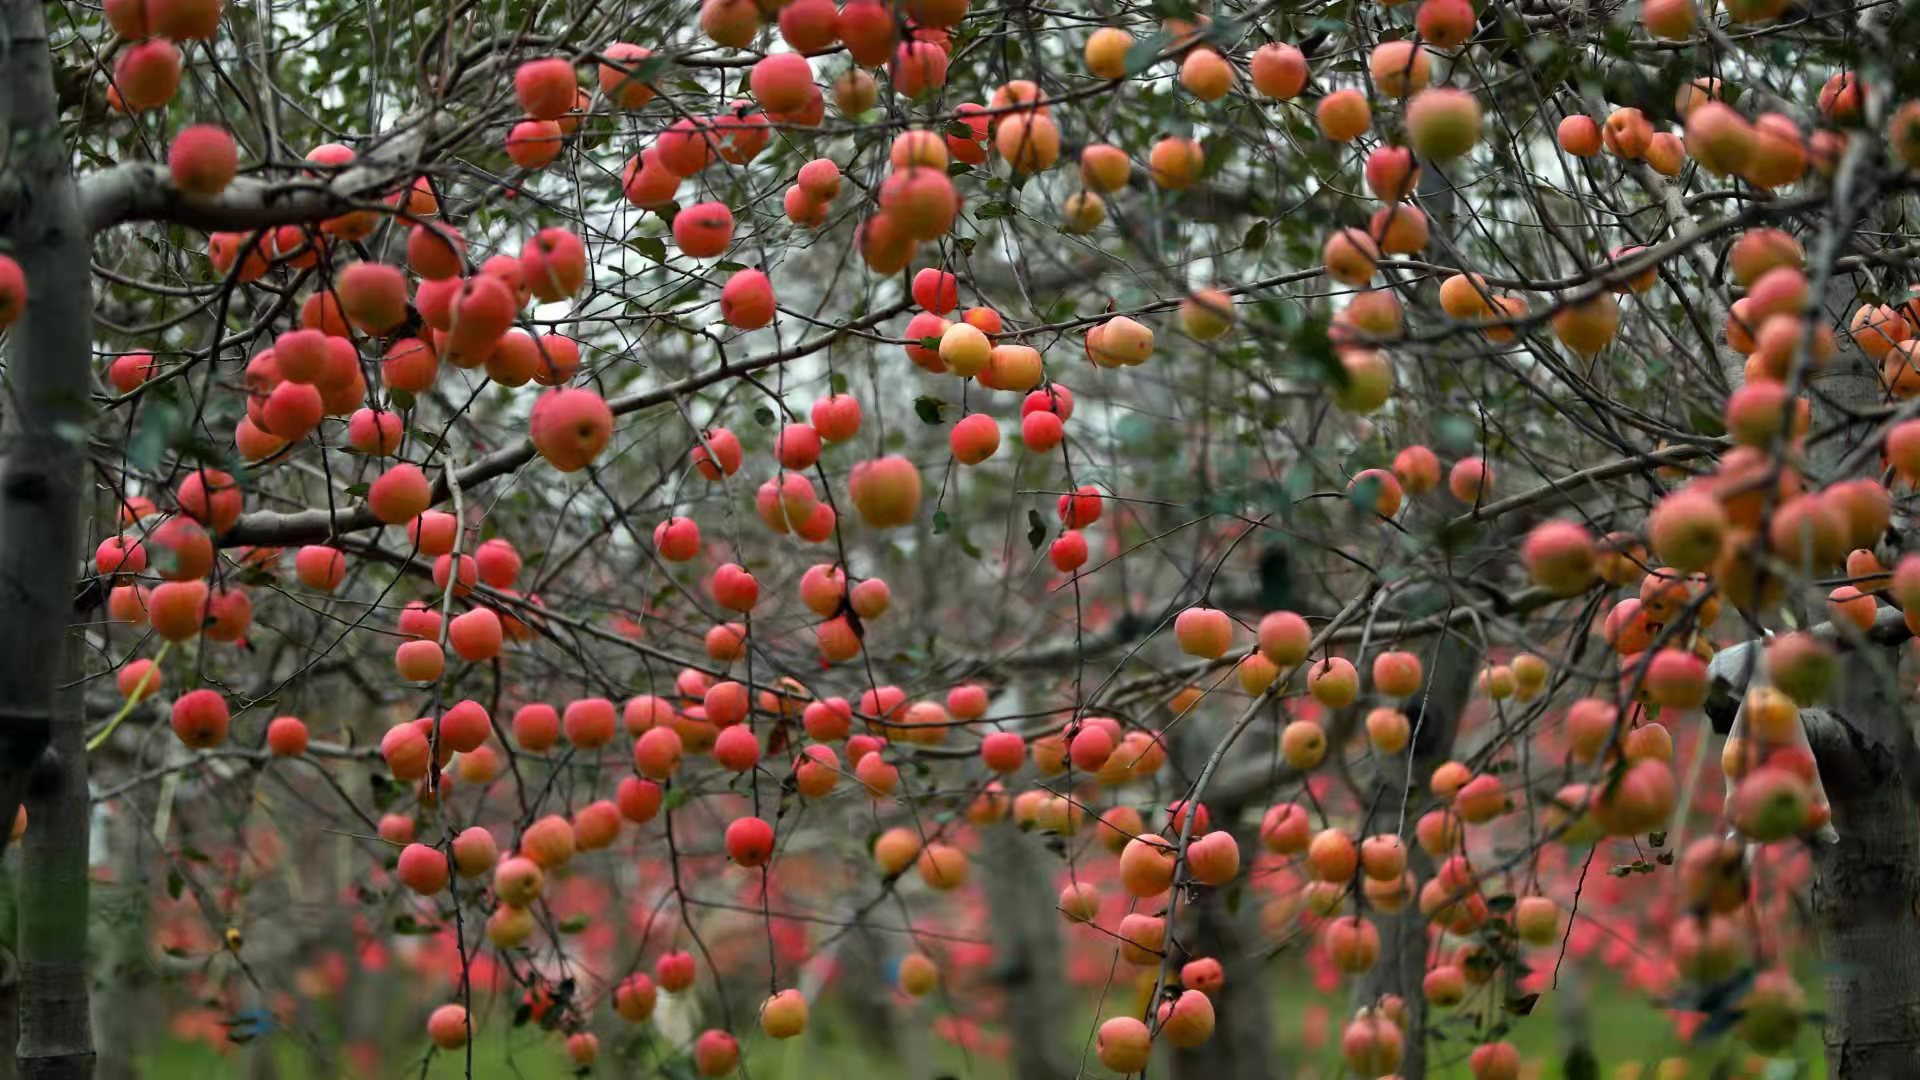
42 752
43 442
9 1018
1242 1045
125 1002
1450 665
1028 963
1866 893
1866 886
56 1035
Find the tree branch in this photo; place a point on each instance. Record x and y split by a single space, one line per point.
144 191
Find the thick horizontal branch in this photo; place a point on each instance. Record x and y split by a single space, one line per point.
144 191
1565 486
1732 667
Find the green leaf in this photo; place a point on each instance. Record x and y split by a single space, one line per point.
837 383
576 924
958 168
651 246
651 68
729 266
998 208
940 522
1256 237
1453 536
1036 530
1521 1005
1145 51
402 399
929 411
1455 436
763 416
159 423
1313 349
1365 493
69 432
1142 435
358 491
1707 422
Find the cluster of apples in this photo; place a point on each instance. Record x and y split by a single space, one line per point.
918 202
1769 151
1415 470
1885 332
457 314
689 145
1442 123
481 629
183 605
885 490
1633 790
549 93
1799 667
178 550
1374 1042
1714 537
1174 162
703 716
146 68
869 29
518 881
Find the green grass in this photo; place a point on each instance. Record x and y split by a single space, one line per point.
1624 1028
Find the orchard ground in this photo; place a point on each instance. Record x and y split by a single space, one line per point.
1629 1032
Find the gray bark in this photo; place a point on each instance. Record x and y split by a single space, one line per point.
1866 890
1866 887
45 403
49 356
1450 668
1027 956
1242 1045
56 1034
